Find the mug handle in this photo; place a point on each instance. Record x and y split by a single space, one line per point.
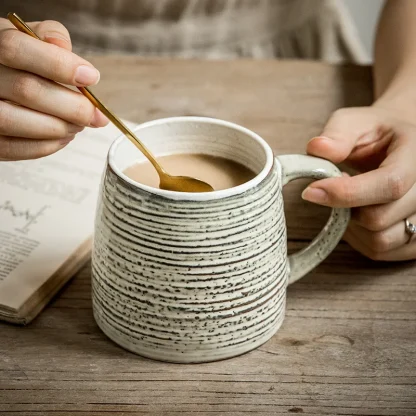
302 166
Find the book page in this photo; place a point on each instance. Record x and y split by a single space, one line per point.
47 209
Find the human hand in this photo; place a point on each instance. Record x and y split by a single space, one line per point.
382 148
38 116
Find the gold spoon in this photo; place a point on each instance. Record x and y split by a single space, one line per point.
168 182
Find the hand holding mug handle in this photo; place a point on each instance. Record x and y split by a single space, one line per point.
302 166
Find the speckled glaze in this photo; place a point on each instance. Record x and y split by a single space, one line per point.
199 277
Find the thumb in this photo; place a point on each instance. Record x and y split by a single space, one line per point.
52 32
347 129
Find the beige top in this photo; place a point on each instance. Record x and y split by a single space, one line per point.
213 29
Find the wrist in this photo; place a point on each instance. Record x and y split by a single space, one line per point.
399 97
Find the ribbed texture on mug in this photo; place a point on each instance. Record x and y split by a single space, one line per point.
189 281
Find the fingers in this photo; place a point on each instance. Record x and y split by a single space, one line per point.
38 117
379 231
48 97
377 252
383 148
380 217
376 187
22 122
390 182
20 51
386 240
49 31
16 148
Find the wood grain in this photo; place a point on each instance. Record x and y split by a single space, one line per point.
347 346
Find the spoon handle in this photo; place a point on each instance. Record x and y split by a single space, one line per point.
23 27
122 127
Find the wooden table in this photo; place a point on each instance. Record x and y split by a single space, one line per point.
347 346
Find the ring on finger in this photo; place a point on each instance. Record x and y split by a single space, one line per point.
410 230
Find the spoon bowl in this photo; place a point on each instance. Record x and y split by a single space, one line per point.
183 184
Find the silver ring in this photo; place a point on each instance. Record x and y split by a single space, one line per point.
410 230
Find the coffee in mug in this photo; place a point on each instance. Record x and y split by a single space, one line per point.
219 172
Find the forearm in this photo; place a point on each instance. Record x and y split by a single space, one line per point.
395 58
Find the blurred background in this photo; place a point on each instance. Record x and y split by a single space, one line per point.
310 29
365 14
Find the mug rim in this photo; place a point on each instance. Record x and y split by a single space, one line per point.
192 196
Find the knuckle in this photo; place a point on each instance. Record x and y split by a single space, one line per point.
375 256
378 256
340 113
58 130
60 64
397 186
348 197
5 119
9 46
373 219
26 87
42 148
5 149
83 112
344 113
47 148
344 194
381 242
334 121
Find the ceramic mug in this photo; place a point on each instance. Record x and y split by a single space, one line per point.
187 277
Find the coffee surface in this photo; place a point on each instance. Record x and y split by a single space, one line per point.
219 172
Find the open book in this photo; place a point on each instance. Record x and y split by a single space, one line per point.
47 209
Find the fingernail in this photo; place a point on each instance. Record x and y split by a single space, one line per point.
99 119
87 75
320 137
316 195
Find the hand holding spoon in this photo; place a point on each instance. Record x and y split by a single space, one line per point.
167 182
